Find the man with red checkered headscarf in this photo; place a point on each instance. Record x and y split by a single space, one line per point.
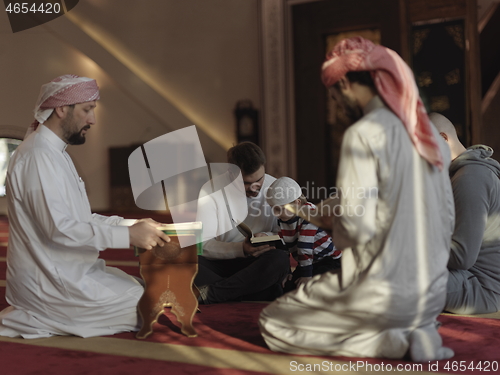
56 285
393 222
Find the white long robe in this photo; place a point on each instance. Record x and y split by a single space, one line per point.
56 285
396 247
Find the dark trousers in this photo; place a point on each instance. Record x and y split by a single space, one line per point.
326 264
250 279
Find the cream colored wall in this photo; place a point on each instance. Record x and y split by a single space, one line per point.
161 65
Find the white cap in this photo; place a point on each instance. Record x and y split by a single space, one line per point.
283 191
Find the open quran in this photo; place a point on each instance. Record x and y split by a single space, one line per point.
191 230
259 241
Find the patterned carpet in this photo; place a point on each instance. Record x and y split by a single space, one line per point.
228 342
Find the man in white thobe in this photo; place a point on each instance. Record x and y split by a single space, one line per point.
56 285
394 224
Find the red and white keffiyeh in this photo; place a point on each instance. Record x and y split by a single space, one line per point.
395 83
68 89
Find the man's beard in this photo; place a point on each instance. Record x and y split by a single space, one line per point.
352 111
73 136
77 138
252 194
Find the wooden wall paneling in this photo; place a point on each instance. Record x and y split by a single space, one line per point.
121 197
309 103
311 23
423 10
440 69
440 11
276 137
405 28
473 71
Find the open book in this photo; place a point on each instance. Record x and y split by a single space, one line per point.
180 228
324 208
259 241
191 231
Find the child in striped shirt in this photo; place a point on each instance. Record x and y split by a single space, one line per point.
311 247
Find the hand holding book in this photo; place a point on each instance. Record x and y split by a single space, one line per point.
260 238
144 233
252 250
189 231
259 243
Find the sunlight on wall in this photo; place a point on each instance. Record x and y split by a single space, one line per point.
122 54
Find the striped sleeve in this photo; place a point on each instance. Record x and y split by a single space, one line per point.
306 247
313 245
